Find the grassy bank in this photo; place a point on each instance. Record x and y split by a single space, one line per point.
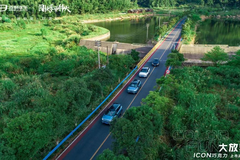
40 36
88 18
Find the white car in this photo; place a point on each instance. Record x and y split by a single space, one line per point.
144 72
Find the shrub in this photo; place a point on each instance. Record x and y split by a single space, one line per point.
5 19
135 55
216 55
21 24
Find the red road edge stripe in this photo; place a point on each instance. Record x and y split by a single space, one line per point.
175 48
79 137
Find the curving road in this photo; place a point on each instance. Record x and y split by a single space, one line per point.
90 143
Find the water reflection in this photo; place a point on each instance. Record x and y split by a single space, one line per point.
132 31
219 32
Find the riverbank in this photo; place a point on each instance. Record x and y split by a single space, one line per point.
101 37
122 17
236 17
104 33
92 18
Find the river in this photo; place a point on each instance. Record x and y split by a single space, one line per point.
213 31
132 31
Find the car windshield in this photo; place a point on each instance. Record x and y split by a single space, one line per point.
133 85
155 60
144 70
110 113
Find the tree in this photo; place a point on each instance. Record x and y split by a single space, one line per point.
196 17
159 103
175 59
109 155
137 134
216 55
28 133
6 152
235 60
135 55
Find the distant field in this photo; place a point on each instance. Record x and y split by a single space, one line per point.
27 40
59 33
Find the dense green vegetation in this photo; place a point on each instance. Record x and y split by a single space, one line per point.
48 84
189 28
174 59
44 96
171 3
196 110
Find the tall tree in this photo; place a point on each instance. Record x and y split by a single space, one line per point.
137 134
216 55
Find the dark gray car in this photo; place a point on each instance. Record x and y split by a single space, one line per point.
155 62
114 111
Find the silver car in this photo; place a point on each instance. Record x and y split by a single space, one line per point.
134 86
144 72
114 111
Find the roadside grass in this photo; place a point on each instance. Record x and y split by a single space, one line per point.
30 40
27 40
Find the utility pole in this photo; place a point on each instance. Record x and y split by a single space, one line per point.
98 44
159 21
107 56
147 30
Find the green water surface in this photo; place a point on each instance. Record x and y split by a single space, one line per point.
219 32
132 31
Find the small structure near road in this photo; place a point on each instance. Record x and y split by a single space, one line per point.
140 10
117 47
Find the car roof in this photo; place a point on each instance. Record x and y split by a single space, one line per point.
115 105
155 59
135 81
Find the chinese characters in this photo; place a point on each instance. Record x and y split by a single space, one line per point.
60 7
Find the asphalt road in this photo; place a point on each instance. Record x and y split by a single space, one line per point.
97 138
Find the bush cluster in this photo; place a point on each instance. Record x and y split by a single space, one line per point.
44 96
